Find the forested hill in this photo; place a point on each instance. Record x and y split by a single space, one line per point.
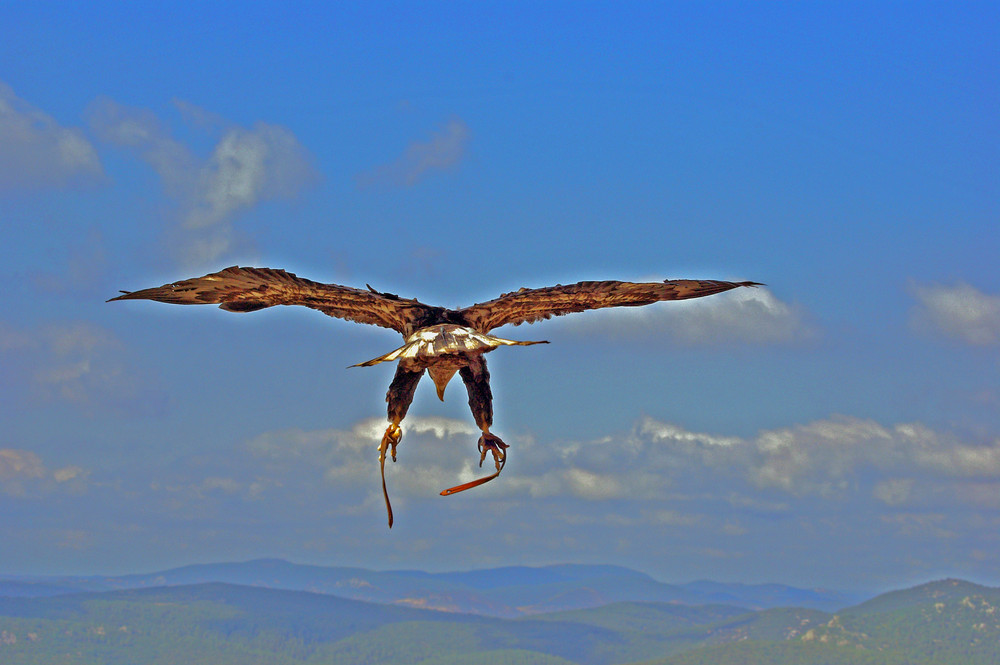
942 622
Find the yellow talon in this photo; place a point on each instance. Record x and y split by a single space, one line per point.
393 433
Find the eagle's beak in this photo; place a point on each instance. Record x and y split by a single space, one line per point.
441 379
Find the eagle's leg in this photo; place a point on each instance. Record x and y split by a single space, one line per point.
399 397
477 382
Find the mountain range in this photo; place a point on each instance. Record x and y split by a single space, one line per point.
500 592
179 616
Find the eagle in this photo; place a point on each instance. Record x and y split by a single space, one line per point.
437 340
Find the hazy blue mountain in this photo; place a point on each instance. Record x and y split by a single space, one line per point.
17 588
503 592
771 595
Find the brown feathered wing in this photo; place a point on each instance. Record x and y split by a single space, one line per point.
530 305
249 289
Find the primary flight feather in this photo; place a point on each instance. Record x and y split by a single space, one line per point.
439 340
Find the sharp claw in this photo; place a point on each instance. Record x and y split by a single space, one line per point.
495 445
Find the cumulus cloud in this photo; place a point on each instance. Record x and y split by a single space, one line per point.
830 456
824 456
38 152
445 149
960 312
747 315
246 167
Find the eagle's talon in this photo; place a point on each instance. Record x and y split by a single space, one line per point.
391 438
495 445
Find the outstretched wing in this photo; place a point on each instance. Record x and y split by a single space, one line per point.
249 289
530 305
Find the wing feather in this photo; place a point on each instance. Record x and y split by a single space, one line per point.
530 305
238 289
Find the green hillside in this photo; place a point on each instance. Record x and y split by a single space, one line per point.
939 623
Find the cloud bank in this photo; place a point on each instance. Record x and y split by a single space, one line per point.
797 500
834 458
37 152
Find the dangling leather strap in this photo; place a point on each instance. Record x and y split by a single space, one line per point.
474 483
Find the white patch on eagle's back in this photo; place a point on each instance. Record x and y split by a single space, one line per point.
444 340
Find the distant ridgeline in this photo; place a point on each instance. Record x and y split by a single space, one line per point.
257 612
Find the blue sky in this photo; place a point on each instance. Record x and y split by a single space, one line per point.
839 427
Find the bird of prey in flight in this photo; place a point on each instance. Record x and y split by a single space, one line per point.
439 340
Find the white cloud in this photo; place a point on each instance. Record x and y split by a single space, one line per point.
828 456
37 151
76 362
68 473
960 312
590 485
445 149
16 463
249 166
893 491
246 167
22 472
658 431
441 428
748 315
